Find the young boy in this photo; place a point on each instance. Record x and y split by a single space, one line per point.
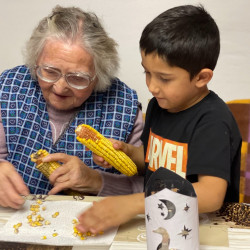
188 128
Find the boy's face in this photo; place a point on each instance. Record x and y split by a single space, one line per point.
171 86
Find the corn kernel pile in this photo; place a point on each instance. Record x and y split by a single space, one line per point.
35 219
82 236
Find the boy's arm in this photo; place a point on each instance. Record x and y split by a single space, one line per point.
116 210
210 192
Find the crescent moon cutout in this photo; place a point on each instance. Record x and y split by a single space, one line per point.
170 207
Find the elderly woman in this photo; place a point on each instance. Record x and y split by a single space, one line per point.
68 79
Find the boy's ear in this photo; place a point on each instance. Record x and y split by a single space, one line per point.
203 77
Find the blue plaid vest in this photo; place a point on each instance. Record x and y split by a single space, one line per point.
26 123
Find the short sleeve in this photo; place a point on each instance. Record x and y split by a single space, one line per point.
209 151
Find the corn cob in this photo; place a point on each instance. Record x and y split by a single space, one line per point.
101 146
47 168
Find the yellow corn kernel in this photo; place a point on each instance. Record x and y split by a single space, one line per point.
54 234
39 202
101 146
16 231
16 226
55 214
43 208
47 222
74 221
44 237
34 206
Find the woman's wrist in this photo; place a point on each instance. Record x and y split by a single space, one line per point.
92 183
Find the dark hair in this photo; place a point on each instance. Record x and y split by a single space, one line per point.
185 36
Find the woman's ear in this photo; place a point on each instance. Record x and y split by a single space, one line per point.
203 77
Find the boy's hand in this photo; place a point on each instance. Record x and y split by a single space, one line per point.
111 212
118 145
12 187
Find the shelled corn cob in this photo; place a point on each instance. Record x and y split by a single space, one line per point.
47 168
101 146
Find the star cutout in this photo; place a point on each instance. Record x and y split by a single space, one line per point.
186 208
185 232
160 206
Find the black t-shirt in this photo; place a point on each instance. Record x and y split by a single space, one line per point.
201 140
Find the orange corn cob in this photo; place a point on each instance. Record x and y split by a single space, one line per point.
103 147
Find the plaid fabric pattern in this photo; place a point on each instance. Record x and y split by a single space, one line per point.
26 122
241 112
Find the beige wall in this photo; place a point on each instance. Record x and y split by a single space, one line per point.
124 20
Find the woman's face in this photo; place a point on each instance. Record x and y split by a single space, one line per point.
67 58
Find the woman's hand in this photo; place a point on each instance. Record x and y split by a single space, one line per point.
111 212
12 187
73 174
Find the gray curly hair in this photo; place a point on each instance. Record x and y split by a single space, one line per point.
73 24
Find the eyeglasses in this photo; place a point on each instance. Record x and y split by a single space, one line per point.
74 80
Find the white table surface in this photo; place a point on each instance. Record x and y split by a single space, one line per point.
132 235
